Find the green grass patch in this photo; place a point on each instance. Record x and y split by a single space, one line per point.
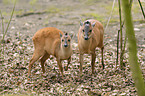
139 21
19 12
136 7
5 13
94 16
6 2
68 8
100 18
32 2
91 2
108 9
53 9
114 20
6 20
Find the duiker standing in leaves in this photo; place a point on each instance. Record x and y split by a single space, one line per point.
90 36
51 41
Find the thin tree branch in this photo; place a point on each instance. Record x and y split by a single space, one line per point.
9 21
141 8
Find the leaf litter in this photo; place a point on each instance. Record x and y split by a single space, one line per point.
110 81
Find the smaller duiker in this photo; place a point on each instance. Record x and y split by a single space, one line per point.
51 41
90 36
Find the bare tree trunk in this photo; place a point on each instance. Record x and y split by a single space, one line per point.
133 59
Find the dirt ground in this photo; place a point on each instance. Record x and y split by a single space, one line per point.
32 15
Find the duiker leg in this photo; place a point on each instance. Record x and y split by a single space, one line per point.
35 57
43 59
69 59
81 62
93 55
60 66
102 57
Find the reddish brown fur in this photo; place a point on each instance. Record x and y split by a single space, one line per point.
89 46
47 41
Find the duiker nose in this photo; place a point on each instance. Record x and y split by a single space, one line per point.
65 45
86 38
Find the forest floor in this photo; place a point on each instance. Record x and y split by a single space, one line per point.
32 15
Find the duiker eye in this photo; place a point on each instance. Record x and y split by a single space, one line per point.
62 40
83 30
90 30
68 40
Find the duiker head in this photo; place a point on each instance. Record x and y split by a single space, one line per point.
65 40
87 28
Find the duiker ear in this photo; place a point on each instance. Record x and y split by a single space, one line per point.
60 34
81 23
93 24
